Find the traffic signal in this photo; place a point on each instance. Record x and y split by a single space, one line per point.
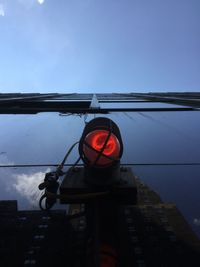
101 148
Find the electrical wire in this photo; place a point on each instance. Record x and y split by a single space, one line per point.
60 167
122 164
59 172
40 202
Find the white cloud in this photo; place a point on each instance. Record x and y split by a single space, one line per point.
27 186
2 10
14 184
40 2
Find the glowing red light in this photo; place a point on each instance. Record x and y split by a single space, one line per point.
97 139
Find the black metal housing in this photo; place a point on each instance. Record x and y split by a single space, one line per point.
94 173
125 192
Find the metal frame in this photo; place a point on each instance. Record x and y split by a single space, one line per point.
84 103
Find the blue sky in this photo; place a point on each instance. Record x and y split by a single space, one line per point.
99 45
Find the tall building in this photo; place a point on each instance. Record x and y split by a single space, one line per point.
151 233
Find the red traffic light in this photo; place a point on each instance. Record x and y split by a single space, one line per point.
100 149
96 143
101 143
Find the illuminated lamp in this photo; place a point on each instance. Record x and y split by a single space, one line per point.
101 148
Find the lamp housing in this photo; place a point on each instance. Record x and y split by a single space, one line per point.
101 148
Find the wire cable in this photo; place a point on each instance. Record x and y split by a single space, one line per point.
40 202
60 166
122 164
48 182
